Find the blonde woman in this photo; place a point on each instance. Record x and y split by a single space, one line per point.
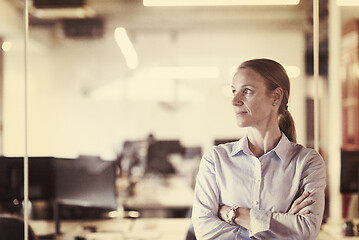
264 186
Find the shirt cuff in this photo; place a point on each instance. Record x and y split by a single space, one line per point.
259 221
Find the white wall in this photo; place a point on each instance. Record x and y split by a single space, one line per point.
64 120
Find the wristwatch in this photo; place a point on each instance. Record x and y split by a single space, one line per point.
231 215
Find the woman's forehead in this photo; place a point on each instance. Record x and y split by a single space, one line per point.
247 76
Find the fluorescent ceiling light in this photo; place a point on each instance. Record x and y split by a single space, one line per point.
127 48
55 13
348 2
173 3
140 88
161 81
184 72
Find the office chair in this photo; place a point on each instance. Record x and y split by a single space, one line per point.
190 233
12 227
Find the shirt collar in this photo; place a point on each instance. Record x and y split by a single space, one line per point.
240 145
281 149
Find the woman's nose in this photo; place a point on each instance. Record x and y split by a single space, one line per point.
236 101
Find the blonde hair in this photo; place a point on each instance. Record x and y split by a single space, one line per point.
275 76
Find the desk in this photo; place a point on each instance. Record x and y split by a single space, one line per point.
333 231
155 196
118 229
145 229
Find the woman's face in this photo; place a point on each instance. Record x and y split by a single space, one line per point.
253 103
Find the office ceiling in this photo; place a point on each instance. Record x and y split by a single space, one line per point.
137 19
132 15
167 23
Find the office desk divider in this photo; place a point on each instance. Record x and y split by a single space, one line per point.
86 181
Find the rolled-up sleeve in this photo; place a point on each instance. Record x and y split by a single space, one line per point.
205 219
268 225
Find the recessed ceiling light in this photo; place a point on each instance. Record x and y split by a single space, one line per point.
173 3
6 46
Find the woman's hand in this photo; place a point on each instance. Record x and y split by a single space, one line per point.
222 212
300 203
242 215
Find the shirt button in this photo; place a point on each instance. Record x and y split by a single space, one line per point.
258 180
256 202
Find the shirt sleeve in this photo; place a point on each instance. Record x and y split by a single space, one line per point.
269 225
205 221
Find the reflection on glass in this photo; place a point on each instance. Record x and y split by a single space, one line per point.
85 97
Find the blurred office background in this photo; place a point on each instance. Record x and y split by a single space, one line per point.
147 88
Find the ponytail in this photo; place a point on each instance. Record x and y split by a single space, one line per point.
286 125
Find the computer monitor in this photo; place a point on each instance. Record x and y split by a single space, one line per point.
11 173
158 156
86 181
41 178
349 172
224 140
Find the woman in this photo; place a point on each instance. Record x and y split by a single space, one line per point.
264 186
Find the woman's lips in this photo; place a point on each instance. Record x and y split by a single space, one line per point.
240 113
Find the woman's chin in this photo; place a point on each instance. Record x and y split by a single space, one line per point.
241 124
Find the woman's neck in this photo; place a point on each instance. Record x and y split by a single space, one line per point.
261 142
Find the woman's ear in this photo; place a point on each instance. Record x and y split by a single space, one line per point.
278 95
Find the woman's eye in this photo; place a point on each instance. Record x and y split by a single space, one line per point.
247 91
234 92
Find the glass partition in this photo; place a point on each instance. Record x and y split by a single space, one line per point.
106 78
12 101
87 95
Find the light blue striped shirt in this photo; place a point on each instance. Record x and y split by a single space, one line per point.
230 174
